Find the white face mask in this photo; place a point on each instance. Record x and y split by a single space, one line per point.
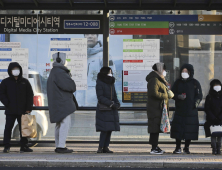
15 72
109 75
185 75
164 73
217 88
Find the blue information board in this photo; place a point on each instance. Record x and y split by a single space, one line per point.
2 37
81 24
175 18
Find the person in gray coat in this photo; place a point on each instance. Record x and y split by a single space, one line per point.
106 120
60 89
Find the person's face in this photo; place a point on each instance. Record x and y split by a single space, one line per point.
110 72
217 85
15 68
185 71
91 40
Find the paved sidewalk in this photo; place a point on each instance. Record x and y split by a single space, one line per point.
124 156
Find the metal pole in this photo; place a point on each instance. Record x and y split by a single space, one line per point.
106 37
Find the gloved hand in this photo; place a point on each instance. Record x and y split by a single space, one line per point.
181 97
25 113
115 106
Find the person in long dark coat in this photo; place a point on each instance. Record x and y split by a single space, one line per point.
106 121
213 109
157 94
187 95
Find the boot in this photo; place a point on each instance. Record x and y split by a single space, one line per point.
214 151
25 149
63 150
106 150
6 150
100 150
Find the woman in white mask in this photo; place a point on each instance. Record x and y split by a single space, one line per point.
157 94
187 95
213 109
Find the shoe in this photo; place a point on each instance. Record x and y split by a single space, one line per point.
156 151
6 150
177 151
214 151
186 150
63 150
100 150
106 150
25 149
160 149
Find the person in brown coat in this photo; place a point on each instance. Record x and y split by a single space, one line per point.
157 93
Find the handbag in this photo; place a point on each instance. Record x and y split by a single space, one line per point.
103 106
29 126
216 130
165 122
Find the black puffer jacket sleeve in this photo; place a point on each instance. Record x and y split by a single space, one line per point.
29 97
115 96
3 94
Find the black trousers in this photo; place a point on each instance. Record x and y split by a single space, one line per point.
10 121
154 140
104 139
178 143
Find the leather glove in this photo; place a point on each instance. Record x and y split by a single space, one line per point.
118 104
115 106
181 97
25 113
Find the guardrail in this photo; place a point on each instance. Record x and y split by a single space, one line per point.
129 123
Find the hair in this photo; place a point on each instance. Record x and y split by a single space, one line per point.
155 67
105 70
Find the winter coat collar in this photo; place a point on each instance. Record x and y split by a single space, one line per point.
106 79
61 66
153 74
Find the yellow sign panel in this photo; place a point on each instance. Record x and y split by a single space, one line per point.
127 96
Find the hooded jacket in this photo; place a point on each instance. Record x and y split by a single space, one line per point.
185 124
60 89
16 95
213 107
106 120
157 93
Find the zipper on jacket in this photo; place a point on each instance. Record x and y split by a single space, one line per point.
16 84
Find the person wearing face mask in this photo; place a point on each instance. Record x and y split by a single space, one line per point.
157 94
187 95
106 120
17 96
213 110
60 89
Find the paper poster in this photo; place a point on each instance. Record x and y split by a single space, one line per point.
8 55
76 56
10 44
139 55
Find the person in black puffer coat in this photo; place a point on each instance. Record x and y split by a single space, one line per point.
213 109
17 96
187 95
106 121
